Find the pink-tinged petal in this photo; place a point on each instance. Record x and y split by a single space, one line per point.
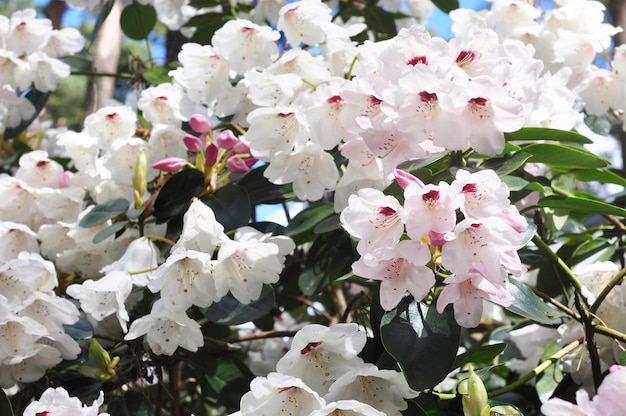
404 178
236 164
170 164
227 140
199 123
241 147
210 154
66 180
192 143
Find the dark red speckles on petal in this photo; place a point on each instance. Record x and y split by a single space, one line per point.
431 195
162 98
427 97
309 347
465 57
285 115
417 60
44 413
293 9
335 99
475 225
112 116
247 29
469 187
42 163
284 389
387 211
479 101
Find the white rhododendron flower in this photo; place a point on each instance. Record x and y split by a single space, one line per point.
58 402
304 21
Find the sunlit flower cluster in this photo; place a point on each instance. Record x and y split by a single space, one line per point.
478 250
29 52
322 374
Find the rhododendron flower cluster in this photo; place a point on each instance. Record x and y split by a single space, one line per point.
58 402
479 250
322 374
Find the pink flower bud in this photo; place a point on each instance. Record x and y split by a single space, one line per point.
199 123
241 147
192 143
250 161
405 178
236 164
227 140
210 154
170 164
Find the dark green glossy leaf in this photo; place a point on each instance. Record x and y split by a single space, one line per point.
229 311
103 212
38 99
138 20
231 205
600 249
81 329
600 175
331 223
5 405
109 231
529 305
223 379
206 25
309 218
132 403
622 358
157 75
261 190
532 134
551 377
447 5
423 342
508 164
330 257
175 196
380 21
482 354
577 204
563 156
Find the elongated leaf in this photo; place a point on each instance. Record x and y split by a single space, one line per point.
532 134
81 329
482 354
229 311
5 405
562 156
132 403
600 175
577 204
261 190
103 212
175 196
508 164
423 342
529 305
308 219
138 20
109 231
231 205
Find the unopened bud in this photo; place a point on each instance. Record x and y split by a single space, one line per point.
226 140
200 124
170 164
140 179
475 399
210 154
236 164
192 143
404 179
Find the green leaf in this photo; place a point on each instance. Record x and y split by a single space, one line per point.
599 175
309 218
229 311
622 358
261 190
132 403
5 405
157 75
138 20
447 5
573 203
508 164
380 21
81 329
529 305
423 342
175 196
206 25
482 354
563 156
331 223
551 377
103 212
541 134
109 231
231 205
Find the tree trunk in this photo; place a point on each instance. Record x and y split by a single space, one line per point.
54 11
617 12
106 55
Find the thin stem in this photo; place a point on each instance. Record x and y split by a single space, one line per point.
541 245
537 370
594 357
556 303
616 280
102 74
610 332
159 238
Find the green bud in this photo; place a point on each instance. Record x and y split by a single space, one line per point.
140 178
475 399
